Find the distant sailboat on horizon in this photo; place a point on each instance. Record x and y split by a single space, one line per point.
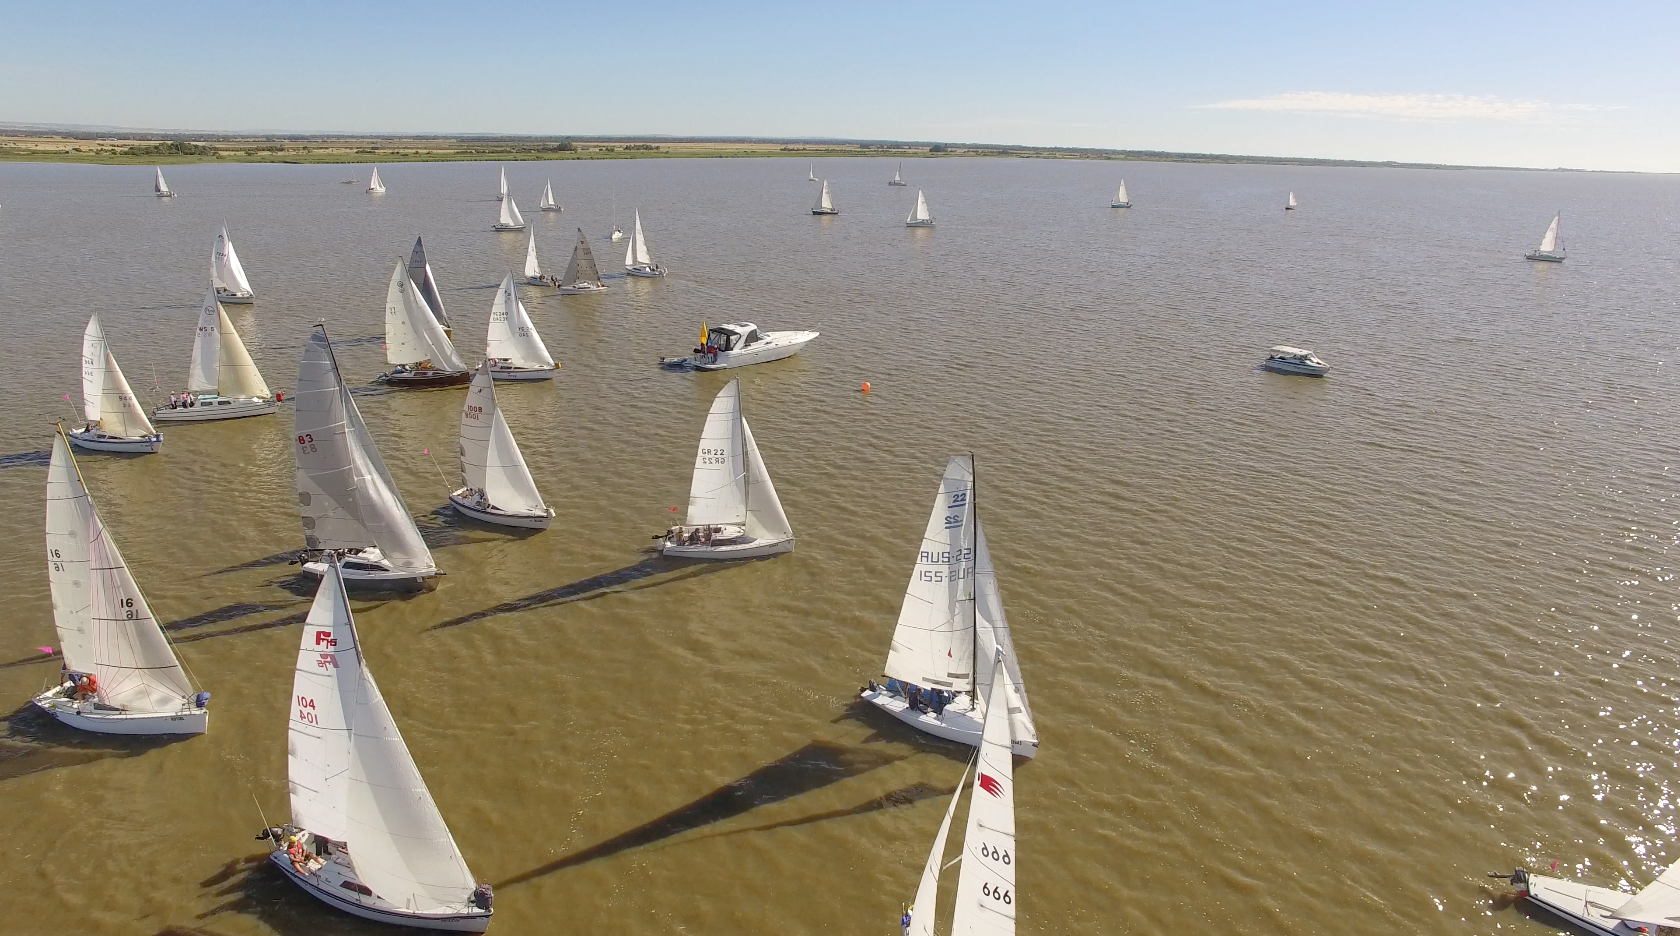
898 176
548 203
812 173
160 188
1121 200
582 275
919 215
501 194
227 274
1290 205
375 186
825 202
1551 245
637 262
508 217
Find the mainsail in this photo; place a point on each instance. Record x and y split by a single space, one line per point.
717 494
324 686
533 269
508 215
207 346
933 644
548 197
107 398
824 201
346 493
412 332
502 192
69 517
1549 245
921 211
158 185
490 459
512 337
1291 199
637 253
1121 199
986 897
581 271
421 273
374 185
225 269
927 892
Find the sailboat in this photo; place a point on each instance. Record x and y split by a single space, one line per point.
617 232
581 276
636 259
1290 205
1605 911
1551 245
733 511
415 342
366 837
496 486
919 216
513 347
898 176
533 269
825 202
222 380
350 504
812 174
548 203
160 188
953 616
420 272
375 186
986 895
501 193
508 217
1120 199
121 674
226 273
115 421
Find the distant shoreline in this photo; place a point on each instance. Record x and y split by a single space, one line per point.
124 148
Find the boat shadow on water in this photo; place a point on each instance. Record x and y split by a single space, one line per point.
651 572
35 741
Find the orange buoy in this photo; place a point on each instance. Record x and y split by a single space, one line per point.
865 387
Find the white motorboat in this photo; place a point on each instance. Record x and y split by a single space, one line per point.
533 269
581 276
548 203
349 503
227 274
512 346
502 192
919 216
496 486
115 421
636 259
365 836
222 381
375 186
825 202
424 356
1551 244
951 618
160 188
733 511
420 271
1121 199
987 898
1290 205
741 343
1286 360
898 177
121 675
508 217
1605 911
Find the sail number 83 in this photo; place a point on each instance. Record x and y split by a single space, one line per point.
306 442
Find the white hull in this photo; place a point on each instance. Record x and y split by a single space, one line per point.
165 194
215 408
228 297
952 724
1544 257
581 290
918 224
87 716
1584 905
523 373
774 347
549 208
95 440
538 281
475 921
1301 370
507 227
368 569
617 235
500 518
648 271
1121 204
744 548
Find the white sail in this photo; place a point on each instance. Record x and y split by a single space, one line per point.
374 184
921 211
548 196
718 492
933 644
346 493
581 271
824 201
991 637
898 174
508 215
1658 904
420 272
1548 244
927 892
1291 199
533 268
106 397
324 686
512 337
236 373
501 193
637 253
490 458
1121 198
69 517
93 369
158 185
765 518
207 346
412 332
986 897
225 269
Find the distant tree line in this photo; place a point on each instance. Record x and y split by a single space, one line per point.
172 148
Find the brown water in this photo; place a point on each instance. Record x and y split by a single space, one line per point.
1306 656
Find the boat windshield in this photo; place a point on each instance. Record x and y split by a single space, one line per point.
722 339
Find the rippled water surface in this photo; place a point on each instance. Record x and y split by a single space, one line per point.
1306 656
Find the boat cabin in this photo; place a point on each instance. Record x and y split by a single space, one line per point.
1295 355
733 337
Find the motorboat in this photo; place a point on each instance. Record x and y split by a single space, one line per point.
1551 244
496 486
1121 199
919 215
637 262
733 510
512 346
741 343
115 421
1286 360
825 202
227 274
414 341
222 380
951 622
582 276
1604 911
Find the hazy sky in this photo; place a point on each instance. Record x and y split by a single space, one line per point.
1583 84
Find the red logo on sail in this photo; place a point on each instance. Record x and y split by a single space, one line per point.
991 785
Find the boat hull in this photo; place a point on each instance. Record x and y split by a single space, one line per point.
1543 257
581 290
507 227
951 724
825 211
164 194
1584 905
777 345
234 298
214 409
1297 370
537 281
744 548
524 373
97 441
550 208
645 271
918 224
368 570
466 509
426 380
898 184
87 717
1121 204
476 921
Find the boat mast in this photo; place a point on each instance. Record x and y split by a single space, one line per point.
973 569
